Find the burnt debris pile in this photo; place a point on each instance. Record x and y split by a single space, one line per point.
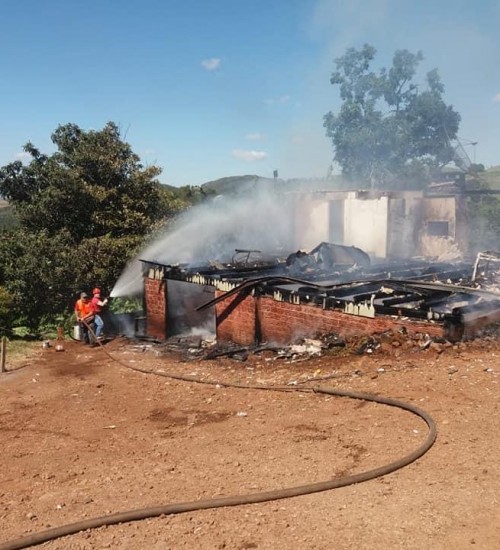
463 297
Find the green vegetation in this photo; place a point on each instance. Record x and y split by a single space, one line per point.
491 177
390 132
237 185
8 219
483 208
6 312
83 212
484 223
125 305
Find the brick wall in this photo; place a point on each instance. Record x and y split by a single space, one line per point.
267 320
245 319
156 305
235 319
284 322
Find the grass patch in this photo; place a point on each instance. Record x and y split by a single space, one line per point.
20 352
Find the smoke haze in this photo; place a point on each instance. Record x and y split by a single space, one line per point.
212 231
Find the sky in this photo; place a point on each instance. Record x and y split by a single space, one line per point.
207 89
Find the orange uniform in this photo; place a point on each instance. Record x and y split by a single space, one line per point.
83 309
85 313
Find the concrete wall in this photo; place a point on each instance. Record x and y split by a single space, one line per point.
404 222
437 209
311 221
366 224
383 224
363 224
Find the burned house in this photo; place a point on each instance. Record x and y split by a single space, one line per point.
331 289
395 265
386 224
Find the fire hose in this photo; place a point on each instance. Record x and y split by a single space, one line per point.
238 500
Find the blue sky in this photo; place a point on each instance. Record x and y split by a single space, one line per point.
214 88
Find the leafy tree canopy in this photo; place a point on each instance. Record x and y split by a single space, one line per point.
389 132
83 212
93 185
6 311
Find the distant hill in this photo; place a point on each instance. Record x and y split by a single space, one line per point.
167 187
492 177
234 185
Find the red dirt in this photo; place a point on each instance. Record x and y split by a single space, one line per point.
85 436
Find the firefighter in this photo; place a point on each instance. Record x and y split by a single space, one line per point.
85 316
98 304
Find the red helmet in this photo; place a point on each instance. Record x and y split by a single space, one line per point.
96 291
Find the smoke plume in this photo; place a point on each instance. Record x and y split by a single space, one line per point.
212 231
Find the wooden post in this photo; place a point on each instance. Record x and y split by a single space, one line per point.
3 352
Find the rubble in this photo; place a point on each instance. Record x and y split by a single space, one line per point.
486 271
390 342
458 296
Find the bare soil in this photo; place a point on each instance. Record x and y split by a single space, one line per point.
84 435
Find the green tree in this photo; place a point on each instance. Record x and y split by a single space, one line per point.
389 133
83 212
484 223
93 185
6 312
40 272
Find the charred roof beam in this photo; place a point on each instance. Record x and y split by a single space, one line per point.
402 299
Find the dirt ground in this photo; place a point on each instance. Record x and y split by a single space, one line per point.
85 435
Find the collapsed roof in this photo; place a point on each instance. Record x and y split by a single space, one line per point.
340 277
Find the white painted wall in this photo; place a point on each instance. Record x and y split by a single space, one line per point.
404 223
365 224
376 225
311 223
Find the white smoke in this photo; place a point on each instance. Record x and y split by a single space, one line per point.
213 231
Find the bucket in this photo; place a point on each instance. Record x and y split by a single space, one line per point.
77 332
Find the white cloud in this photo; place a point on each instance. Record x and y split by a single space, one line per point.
256 136
23 156
211 64
249 156
496 98
281 100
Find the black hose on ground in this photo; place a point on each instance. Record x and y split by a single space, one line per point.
238 500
